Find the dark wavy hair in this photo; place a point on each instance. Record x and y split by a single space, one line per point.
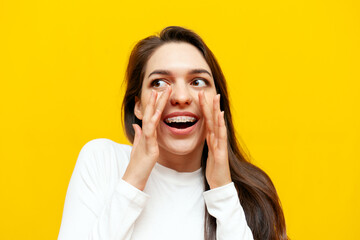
256 191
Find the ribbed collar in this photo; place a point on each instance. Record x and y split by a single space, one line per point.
178 178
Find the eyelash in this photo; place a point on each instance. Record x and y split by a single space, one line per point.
157 80
202 79
162 79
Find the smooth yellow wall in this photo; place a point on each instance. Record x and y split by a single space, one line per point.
293 73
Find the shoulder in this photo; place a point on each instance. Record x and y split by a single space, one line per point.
100 164
104 144
102 152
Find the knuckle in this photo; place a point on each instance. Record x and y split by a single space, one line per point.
147 137
147 134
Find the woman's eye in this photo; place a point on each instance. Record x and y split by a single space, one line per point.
199 83
158 83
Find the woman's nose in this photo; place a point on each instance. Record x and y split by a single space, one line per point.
180 95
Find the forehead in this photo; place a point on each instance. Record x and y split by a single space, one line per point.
176 57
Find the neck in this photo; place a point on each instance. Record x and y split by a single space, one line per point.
189 162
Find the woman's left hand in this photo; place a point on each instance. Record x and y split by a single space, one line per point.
217 165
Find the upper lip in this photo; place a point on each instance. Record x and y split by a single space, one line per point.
178 114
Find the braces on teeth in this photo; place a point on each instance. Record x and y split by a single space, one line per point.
180 119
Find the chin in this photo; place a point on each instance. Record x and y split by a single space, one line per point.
181 146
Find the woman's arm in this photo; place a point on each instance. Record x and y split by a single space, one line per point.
145 151
223 204
99 204
222 200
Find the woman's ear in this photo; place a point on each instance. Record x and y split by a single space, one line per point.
137 108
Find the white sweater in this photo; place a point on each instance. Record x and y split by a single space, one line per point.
100 205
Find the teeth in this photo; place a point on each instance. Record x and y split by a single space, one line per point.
180 119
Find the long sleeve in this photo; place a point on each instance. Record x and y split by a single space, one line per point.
99 204
223 204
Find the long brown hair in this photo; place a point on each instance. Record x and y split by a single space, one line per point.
256 191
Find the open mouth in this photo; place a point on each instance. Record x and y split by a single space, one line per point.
181 122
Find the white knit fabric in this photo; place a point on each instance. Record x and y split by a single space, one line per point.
100 205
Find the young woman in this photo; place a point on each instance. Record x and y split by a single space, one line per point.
185 176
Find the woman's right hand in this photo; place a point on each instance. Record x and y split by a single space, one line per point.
145 151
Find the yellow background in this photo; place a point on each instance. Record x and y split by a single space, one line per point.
293 73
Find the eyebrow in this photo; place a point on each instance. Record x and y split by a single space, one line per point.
193 71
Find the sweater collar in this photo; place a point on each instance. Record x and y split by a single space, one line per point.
181 178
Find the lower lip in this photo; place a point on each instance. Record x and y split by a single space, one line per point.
181 131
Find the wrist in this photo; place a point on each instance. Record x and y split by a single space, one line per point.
134 181
219 184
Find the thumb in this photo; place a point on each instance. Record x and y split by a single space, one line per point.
138 134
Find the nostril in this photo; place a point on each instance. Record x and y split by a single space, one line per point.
180 100
180 95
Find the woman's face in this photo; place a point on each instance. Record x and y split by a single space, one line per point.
181 66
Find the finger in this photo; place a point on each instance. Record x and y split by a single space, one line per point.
148 127
212 140
222 138
208 141
207 113
216 112
211 150
161 102
150 107
137 137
